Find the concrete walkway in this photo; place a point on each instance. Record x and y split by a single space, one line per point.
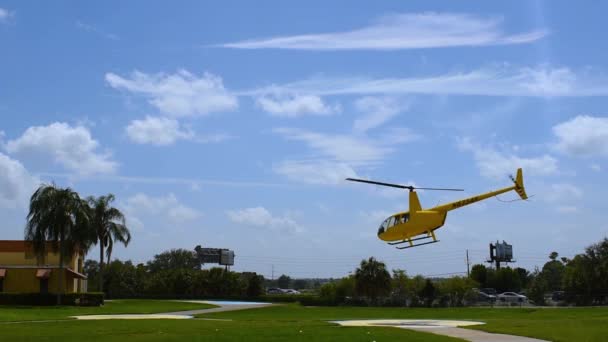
477 335
222 307
440 327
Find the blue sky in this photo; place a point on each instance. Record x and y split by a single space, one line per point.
234 126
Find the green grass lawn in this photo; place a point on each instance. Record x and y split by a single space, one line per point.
200 330
291 322
131 306
553 324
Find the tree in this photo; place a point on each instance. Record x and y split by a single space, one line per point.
283 281
428 293
372 280
91 270
59 216
479 274
400 287
553 272
585 278
524 277
255 286
299 284
109 226
174 259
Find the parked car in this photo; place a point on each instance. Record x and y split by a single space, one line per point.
484 297
558 296
291 291
489 291
511 297
275 290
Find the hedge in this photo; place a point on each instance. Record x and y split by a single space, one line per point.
45 299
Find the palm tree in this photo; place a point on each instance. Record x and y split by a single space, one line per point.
372 279
109 226
58 216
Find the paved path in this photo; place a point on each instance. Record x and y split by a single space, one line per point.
222 307
477 335
440 327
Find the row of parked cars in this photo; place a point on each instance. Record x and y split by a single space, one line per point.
276 290
490 296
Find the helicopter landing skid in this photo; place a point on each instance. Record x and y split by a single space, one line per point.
406 241
420 244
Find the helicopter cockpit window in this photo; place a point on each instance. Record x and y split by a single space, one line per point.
391 221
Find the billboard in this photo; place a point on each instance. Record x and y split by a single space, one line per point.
221 256
504 251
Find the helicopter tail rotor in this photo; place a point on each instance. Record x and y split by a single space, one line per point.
519 184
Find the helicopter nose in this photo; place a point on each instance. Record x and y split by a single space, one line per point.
380 231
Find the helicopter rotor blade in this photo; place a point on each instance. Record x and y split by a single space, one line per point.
442 189
399 186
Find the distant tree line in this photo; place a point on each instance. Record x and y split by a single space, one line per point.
173 274
582 280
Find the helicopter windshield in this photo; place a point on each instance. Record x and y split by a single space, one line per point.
392 221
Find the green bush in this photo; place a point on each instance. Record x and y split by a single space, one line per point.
46 299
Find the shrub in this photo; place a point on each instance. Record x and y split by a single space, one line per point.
46 299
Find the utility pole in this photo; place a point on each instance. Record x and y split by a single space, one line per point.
272 275
468 265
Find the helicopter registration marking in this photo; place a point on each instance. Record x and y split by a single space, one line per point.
465 202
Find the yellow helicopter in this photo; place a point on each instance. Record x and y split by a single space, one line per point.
420 224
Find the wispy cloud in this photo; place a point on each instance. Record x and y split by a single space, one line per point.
180 94
6 15
261 217
295 105
337 156
496 164
403 31
95 30
194 183
496 80
376 111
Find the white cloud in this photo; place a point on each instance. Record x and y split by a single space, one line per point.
315 171
16 183
377 111
336 156
498 164
563 192
167 208
595 167
5 15
71 147
95 30
157 131
180 94
261 217
583 136
295 105
567 209
497 80
355 149
403 31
